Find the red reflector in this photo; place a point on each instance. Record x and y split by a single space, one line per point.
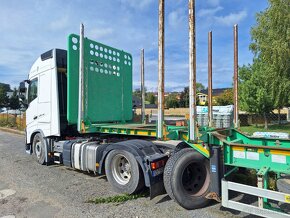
153 166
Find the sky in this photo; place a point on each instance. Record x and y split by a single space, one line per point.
31 27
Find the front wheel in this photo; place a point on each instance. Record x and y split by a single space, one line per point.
187 178
38 147
123 172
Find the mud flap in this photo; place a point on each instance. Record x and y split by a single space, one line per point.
157 189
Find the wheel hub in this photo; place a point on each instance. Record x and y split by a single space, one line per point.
38 149
121 169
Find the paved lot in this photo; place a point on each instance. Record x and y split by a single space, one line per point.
30 190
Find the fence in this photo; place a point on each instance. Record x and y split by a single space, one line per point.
276 122
13 120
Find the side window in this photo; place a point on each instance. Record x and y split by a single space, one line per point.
32 90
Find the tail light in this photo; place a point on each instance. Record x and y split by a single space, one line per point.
157 164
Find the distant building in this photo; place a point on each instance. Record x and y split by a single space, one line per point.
203 94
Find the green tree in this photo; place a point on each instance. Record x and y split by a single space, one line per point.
226 98
184 97
171 101
14 100
254 94
150 97
5 86
3 97
271 45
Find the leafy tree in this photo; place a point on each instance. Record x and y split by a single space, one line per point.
5 86
171 101
226 98
14 100
3 97
271 45
254 94
184 97
150 97
199 87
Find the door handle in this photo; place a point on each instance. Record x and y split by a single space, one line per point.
35 117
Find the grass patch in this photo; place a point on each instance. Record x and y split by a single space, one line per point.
271 128
117 198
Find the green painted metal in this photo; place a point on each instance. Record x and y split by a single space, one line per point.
107 79
255 153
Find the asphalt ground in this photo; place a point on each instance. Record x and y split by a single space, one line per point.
28 189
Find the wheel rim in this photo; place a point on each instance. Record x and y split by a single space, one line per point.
194 179
38 149
121 169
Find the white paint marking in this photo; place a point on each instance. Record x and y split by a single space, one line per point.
6 192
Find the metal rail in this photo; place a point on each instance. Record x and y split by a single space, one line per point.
192 72
210 115
236 100
259 211
81 80
142 87
160 71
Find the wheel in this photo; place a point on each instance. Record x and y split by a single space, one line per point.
38 146
123 172
283 184
187 178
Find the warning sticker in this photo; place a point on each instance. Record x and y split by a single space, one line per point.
287 198
252 155
278 158
239 154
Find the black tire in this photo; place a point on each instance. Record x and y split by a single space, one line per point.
187 178
130 167
38 147
283 184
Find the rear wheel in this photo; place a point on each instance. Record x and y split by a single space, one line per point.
38 146
123 172
187 178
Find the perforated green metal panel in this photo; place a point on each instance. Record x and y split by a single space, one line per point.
107 82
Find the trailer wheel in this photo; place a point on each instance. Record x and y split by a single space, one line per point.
187 178
123 172
38 147
283 184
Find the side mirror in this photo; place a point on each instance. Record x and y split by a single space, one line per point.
22 88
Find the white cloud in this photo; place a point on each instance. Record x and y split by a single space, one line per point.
213 2
60 23
232 18
209 12
176 17
137 4
100 33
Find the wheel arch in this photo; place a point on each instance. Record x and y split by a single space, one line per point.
141 150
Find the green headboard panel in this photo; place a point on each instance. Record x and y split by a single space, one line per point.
107 82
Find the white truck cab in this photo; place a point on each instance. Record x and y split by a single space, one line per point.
46 95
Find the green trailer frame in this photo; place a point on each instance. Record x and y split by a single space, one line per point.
238 150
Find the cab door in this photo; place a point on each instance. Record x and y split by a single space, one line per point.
32 110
